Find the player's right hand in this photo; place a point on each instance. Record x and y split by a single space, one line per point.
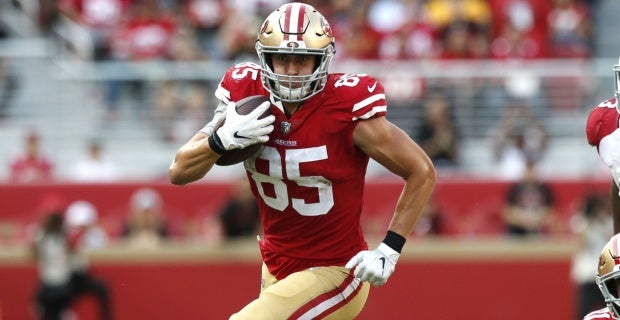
240 131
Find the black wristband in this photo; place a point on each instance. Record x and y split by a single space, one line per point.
394 241
216 144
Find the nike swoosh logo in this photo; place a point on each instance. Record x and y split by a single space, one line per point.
382 264
236 135
372 88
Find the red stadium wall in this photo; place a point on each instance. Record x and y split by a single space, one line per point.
491 288
506 289
468 207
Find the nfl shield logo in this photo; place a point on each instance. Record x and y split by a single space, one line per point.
285 127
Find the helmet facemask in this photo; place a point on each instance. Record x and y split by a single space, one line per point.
607 285
291 88
609 274
300 30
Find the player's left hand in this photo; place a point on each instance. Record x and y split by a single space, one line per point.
374 266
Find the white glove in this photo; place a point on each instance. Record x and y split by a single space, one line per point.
240 131
374 266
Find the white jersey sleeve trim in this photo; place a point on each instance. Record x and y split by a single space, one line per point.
222 93
371 113
368 101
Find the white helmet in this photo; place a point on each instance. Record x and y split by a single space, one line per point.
295 28
608 272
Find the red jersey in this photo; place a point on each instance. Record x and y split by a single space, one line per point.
601 314
309 177
98 13
602 121
144 39
29 169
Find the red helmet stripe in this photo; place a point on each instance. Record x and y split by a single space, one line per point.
300 22
287 21
293 21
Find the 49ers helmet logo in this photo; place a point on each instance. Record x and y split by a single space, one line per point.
263 28
326 27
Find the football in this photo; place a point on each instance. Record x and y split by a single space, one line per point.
243 106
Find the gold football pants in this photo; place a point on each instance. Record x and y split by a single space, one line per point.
315 293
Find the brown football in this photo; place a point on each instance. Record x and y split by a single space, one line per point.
243 106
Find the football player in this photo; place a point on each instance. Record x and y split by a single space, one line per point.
602 132
608 281
309 175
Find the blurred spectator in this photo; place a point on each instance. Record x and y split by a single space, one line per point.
239 216
387 16
185 46
513 43
437 135
443 13
87 25
237 36
8 86
518 139
32 166
146 225
517 33
415 39
529 208
145 36
593 226
206 17
94 167
528 18
181 105
462 41
63 268
181 108
359 39
48 16
525 88
82 222
455 41
462 25
390 19
570 34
